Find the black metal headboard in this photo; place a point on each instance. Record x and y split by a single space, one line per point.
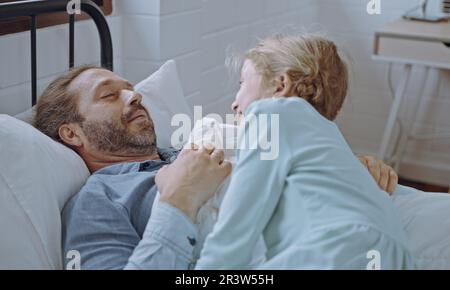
35 7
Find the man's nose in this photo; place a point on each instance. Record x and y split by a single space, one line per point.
133 98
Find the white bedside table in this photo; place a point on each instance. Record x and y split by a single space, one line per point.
410 43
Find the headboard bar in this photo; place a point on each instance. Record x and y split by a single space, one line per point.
71 40
33 60
36 7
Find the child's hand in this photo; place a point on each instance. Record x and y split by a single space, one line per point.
383 174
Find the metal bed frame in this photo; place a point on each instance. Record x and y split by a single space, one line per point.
33 8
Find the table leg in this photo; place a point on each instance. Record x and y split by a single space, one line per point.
416 104
399 94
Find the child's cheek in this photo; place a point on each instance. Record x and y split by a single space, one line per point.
248 98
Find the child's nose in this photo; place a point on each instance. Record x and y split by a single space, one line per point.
234 107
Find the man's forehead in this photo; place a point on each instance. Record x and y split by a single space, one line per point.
87 83
95 76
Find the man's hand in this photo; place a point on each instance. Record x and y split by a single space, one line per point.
383 174
192 179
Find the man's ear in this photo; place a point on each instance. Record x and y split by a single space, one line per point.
284 87
71 134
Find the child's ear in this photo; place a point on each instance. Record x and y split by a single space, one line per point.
284 86
279 84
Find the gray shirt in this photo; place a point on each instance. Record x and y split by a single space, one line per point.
111 224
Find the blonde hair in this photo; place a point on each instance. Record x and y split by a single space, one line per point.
312 62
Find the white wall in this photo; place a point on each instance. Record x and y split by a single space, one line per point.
197 33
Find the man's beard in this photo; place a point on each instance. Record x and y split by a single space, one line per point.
113 137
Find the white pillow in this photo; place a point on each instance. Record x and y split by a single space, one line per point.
163 97
39 175
26 116
426 220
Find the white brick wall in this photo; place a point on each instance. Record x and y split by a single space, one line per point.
197 33
252 19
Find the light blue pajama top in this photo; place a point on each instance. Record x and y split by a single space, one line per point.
316 205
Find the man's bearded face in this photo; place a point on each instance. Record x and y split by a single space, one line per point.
114 120
115 136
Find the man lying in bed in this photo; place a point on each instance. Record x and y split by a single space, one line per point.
110 221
